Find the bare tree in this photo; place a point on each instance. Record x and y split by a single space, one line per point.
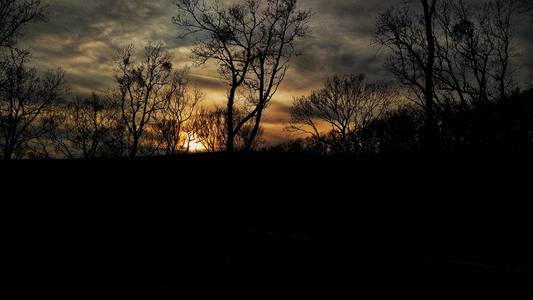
80 127
252 42
408 32
209 128
173 125
500 17
15 15
144 89
115 142
282 27
451 51
230 39
343 108
475 47
24 99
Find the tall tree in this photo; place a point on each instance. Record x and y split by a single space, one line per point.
229 41
252 42
408 32
429 13
282 27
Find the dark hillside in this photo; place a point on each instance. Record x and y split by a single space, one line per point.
204 224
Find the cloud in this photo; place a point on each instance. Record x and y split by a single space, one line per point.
82 37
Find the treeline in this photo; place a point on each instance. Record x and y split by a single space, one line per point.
505 125
152 110
453 62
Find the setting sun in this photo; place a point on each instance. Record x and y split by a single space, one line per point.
196 146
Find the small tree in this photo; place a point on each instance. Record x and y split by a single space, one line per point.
81 127
342 108
173 125
115 143
144 89
24 99
209 128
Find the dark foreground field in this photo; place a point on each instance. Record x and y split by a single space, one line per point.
267 225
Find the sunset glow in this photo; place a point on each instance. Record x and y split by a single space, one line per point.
81 37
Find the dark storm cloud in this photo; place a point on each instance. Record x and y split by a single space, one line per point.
82 36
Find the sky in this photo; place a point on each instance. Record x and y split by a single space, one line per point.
82 36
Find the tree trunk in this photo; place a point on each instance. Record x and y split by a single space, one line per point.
255 130
134 147
8 152
230 139
430 136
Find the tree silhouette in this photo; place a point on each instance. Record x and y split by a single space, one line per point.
346 105
24 99
15 15
453 58
81 127
115 142
408 32
474 51
461 53
281 28
252 42
173 125
396 131
209 127
144 89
